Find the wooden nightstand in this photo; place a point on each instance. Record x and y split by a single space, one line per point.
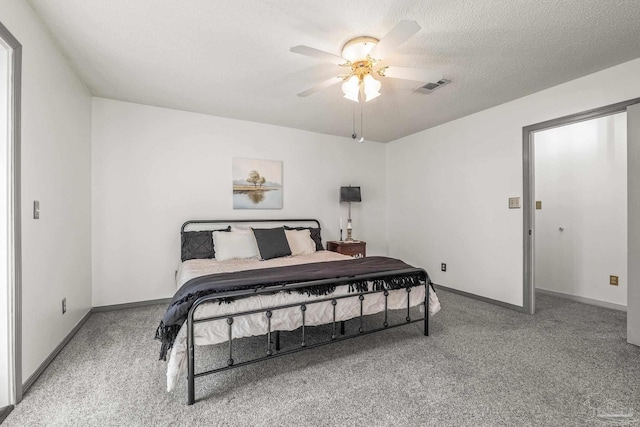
356 248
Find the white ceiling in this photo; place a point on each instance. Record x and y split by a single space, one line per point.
232 59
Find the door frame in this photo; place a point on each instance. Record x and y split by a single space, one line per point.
528 203
14 214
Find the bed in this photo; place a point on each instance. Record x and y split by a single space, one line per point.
239 279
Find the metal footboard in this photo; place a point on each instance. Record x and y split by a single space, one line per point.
270 352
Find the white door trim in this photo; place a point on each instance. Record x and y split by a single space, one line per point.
15 246
528 203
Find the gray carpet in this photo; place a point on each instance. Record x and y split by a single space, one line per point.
482 365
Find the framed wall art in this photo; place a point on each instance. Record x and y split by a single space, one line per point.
257 184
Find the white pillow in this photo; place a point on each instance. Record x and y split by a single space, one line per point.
300 242
234 245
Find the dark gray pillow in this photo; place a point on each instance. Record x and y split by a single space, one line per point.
315 235
272 242
198 244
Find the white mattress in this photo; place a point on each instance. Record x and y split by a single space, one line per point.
287 319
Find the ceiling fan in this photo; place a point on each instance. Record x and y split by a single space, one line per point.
362 57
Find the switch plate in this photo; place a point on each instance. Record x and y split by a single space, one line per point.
36 209
514 202
613 280
443 266
538 204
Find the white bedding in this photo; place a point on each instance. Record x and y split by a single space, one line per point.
287 319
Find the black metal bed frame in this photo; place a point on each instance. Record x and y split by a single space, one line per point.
268 312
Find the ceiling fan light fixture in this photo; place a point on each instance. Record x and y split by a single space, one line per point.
356 51
351 88
361 56
351 96
371 84
371 87
370 96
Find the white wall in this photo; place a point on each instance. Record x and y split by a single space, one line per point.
448 186
154 168
56 161
581 179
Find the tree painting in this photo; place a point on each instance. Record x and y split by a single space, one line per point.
254 178
257 184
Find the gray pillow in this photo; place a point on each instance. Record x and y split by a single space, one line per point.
198 244
272 242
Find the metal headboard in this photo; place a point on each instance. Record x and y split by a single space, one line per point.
241 221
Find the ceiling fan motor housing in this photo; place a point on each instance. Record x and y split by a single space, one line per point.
358 49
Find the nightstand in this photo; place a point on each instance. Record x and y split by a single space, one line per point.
356 248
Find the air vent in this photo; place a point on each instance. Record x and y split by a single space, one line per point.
430 87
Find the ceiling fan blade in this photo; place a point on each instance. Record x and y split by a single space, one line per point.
322 85
399 34
416 74
318 54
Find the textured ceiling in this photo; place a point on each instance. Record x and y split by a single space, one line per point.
232 59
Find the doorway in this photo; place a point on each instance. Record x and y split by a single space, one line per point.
528 135
580 217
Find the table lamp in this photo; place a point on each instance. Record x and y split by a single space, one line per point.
350 195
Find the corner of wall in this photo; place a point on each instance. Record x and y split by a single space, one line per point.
55 170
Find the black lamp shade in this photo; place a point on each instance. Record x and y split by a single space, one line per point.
350 194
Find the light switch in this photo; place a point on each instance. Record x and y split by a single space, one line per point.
36 209
538 204
514 202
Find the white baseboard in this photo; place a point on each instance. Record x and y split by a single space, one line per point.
584 300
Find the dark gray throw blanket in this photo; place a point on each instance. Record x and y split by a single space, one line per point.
277 276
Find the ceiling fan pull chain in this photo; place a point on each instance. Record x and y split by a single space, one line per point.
361 127
354 135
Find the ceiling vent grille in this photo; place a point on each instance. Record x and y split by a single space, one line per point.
430 87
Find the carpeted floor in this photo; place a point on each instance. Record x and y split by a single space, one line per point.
569 365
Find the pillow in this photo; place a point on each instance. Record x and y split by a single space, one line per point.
198 244
272 242
234 245
315 235
300 242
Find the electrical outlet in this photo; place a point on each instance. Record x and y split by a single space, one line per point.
64 305
538 204
514 202
613 280
443 266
